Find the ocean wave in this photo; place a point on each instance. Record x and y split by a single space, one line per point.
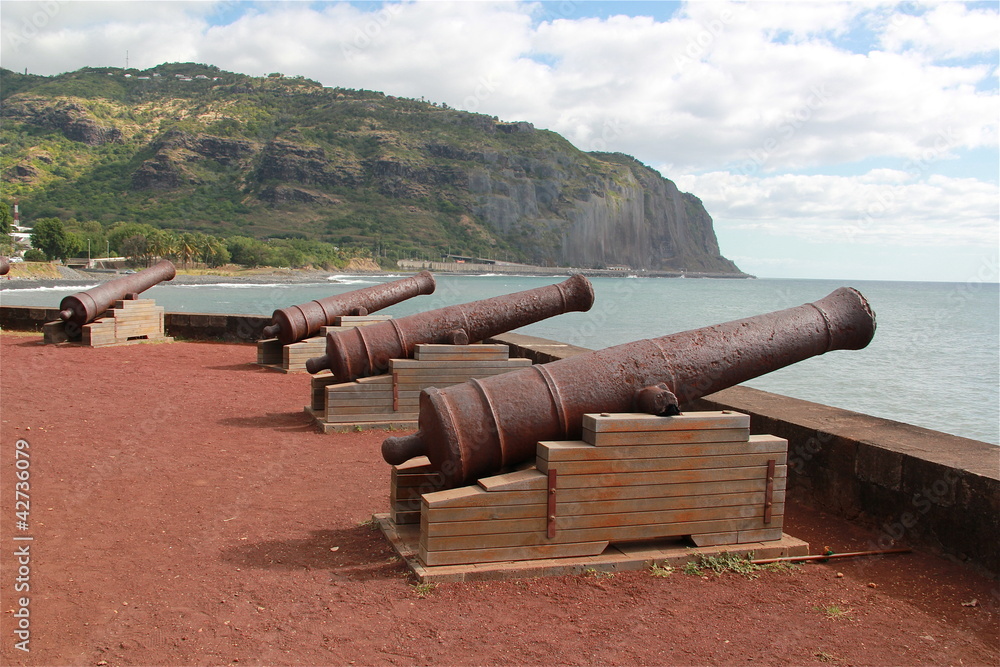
350 280
235 285
57 288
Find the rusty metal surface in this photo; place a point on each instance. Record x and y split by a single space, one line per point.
4 266
295 323
84 307
480 427
367 350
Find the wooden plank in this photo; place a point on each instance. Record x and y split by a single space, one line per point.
371 417
382 408
612 521
351 321
337 401
414 465
460 350
772 532
665 477
578 450
444 358
456 557
373 380
431 479
485 512
639 421
405 517
603 439
476 496
567 508
521 480
670 490
416 368
617 533
715 539
661 463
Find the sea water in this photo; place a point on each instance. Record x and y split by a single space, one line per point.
934 361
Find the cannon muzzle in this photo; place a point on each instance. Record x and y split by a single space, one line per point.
4 266
84 307
367 350
295 323
482 426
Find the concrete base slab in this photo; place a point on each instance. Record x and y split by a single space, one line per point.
621 557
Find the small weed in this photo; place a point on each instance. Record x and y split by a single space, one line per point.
781 566
835 612
372 523
826 657
729 562
692 568
661 570
423 590
597 574
357 428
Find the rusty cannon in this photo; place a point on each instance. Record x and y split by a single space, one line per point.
367 350
480 427
84 307
295 323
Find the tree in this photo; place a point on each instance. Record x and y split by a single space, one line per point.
122 230
187 248
135 248
50 236
6 219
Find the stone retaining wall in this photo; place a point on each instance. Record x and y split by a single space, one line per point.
190 326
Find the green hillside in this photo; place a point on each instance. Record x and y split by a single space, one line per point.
191 148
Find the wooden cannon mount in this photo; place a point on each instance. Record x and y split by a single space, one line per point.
128 321
636 489
112 313
392 400
291 357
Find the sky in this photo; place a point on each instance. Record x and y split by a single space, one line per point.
832 140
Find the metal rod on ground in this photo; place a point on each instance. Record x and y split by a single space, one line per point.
846 554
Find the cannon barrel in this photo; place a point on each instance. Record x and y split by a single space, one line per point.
4 266
482 426
367 350
84 307
297 323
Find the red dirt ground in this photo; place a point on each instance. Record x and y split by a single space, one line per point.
184 511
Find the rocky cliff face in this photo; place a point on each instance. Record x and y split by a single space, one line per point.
564 215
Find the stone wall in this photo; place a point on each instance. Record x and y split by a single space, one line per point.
190 326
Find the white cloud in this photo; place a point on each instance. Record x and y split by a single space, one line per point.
879 207
949 30
731 100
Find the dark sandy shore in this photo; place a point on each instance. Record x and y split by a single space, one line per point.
73 278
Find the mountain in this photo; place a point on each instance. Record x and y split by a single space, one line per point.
190 147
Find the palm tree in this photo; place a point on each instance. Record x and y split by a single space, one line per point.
187 248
